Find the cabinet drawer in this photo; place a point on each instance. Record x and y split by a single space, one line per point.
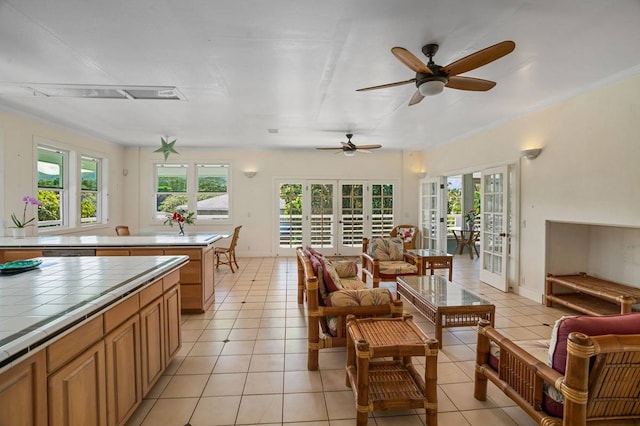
191 273
150 293
119 313
117 252
11 255
146 252
194 254
172 279
63 350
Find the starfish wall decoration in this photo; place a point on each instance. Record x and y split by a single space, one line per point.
167 148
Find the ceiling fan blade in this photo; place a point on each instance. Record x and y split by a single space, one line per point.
410 60
369 146
470 83
340 148
364 151
416 98
384 86
480 58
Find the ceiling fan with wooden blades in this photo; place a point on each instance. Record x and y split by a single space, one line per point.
349 148
431 78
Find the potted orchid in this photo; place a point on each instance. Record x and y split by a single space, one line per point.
181 217
20 224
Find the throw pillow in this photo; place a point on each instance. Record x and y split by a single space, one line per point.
406 234
386 248
331 278
345 268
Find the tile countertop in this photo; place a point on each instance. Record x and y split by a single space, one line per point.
37 305
89 241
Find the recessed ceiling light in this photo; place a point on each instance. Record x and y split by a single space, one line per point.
273 130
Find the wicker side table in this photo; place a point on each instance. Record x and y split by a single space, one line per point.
391 383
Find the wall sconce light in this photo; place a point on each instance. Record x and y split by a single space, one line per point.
422 175
531 154
250 174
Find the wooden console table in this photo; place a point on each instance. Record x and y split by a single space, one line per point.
590 295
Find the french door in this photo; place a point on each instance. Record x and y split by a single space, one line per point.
495 227
433 225
332 216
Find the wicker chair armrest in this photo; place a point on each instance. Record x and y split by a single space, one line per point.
409 258
369 263
337 311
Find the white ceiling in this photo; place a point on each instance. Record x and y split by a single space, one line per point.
293 65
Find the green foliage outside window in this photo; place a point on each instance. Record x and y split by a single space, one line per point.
50 209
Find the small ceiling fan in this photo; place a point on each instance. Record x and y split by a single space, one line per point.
431 78
349 148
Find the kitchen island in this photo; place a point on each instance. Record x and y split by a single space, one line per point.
83 339
197 279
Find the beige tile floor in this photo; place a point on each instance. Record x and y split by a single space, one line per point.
244 360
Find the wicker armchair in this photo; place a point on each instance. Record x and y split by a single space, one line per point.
379 264
410 234
601 384
319 335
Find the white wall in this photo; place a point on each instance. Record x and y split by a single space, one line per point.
254 201
587 173
20 160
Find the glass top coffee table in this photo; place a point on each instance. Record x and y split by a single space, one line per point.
431 259
443 303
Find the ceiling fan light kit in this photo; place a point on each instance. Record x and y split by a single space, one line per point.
431 79
432 87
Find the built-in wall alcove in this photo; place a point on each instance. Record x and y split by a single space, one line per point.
605 251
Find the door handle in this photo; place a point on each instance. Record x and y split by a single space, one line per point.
503 234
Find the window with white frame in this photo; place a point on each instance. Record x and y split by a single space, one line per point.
213 191
90 190
52 187
199 188
171 189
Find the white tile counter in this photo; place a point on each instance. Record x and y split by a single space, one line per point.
38 305
93 241
197 280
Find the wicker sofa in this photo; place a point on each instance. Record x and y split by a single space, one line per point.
594 376
327 313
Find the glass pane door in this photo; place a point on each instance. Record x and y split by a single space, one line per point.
494 219
290 215
351 229
433 229
381 210
322 225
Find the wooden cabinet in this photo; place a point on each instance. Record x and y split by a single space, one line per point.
196 277
77 392
124 381
11 255
23 393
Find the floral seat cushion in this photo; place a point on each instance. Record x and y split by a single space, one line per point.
362 297
352 283
394 268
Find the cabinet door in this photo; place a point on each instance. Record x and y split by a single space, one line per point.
77 392
152 339
124 391
208 281
172 322
23 398
11 255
